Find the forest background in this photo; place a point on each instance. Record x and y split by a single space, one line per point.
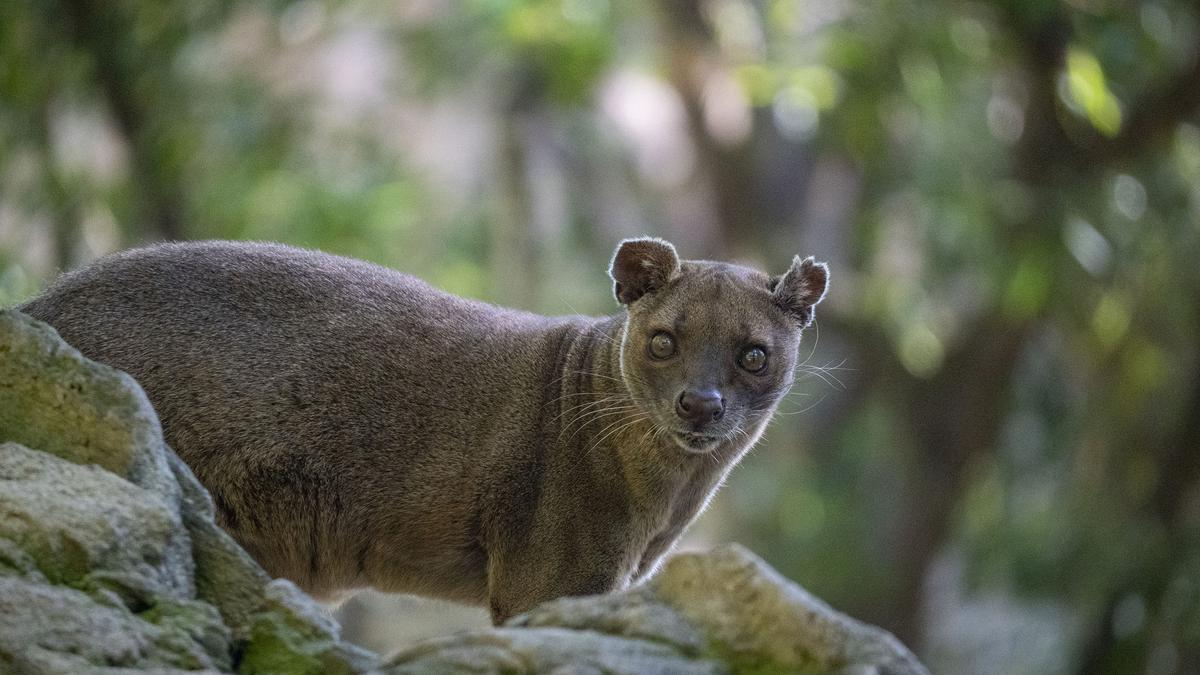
994 447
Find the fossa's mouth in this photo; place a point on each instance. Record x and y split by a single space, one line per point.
694 442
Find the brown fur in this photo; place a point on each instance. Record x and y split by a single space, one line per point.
357 427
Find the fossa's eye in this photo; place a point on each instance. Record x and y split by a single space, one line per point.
753 359
662 346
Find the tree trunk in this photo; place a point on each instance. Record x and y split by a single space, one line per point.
123 72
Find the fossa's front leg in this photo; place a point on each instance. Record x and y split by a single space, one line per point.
520 578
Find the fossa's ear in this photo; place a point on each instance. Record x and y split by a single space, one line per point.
642 266
799 289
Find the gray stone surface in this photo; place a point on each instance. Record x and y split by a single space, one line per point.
753 615
549 650
111 562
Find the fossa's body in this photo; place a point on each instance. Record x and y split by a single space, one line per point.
359 428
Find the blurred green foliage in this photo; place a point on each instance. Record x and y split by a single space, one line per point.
998 429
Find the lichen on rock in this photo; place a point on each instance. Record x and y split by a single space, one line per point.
111 561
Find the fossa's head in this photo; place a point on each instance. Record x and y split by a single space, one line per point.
709 348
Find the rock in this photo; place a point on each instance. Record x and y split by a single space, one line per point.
78 522
111 561
45 628
725 611
84 577
293 635
549 650
756 618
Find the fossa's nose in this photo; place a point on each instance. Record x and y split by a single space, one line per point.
700 406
